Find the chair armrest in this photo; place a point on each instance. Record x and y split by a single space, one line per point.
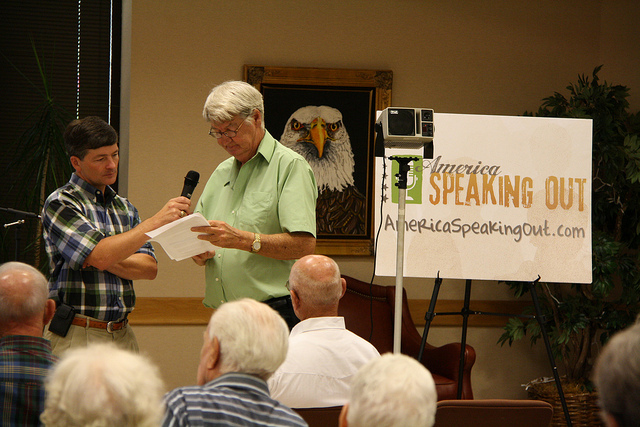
442 360
445 360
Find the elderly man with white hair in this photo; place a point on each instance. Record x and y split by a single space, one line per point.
103 385
391 391
260 203
323 355
617 379
244 344
25 356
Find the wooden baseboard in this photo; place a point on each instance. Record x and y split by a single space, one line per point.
168 311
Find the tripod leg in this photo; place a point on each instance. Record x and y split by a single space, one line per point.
542 321
428 317
463 341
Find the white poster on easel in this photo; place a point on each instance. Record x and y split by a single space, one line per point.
504 198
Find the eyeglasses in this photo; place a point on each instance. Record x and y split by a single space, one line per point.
288 286
228 133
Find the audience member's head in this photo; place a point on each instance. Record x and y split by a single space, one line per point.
617 378
102 385
316 287
24 307
393 390
244 336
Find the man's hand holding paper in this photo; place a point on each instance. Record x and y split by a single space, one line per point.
179 242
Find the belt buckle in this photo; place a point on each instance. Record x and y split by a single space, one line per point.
110 327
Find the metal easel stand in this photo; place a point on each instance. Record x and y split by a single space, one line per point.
465 312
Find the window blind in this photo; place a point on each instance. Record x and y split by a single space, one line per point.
78 45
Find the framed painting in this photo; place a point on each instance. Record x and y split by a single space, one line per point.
328 116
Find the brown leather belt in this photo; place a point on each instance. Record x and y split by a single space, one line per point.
98 324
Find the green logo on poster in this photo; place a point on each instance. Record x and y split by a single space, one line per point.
414 182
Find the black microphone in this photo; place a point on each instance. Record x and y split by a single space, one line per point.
190 182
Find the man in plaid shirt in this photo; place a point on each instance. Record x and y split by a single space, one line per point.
25 357
96 242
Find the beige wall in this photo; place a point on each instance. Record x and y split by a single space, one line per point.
480 57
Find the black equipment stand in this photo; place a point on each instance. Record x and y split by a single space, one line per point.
21 215
465 312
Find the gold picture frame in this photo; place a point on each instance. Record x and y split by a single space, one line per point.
357 94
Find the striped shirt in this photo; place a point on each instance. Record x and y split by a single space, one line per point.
233 399
24 363
75 218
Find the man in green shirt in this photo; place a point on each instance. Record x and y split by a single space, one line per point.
260 204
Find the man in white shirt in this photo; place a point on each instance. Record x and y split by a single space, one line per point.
323 355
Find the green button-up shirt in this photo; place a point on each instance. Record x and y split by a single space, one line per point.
274 192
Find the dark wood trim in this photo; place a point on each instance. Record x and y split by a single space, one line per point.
181 311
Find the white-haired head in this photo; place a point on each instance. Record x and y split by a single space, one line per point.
232 99
393 390
617 378
103 385
253 337
23 292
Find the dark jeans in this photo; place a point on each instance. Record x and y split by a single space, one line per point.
284 306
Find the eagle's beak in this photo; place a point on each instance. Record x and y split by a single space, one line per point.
318 134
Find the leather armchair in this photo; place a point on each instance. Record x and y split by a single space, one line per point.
369 310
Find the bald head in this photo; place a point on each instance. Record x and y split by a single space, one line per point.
316 286
23 300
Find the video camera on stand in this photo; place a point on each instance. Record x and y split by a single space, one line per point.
399 127
403 128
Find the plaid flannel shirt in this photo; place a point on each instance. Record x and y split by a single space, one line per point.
24 364
75 218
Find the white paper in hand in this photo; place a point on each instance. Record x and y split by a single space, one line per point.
177 239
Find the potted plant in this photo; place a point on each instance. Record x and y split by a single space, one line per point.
40 158
580 318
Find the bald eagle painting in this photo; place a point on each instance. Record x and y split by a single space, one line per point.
319 135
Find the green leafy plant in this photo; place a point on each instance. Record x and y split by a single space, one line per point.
582 317
40 157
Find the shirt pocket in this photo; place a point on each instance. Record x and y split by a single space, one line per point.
256 208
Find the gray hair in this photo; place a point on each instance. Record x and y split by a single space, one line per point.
393 390
103 385
253 337
231 99
19 302
316 280
617 377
